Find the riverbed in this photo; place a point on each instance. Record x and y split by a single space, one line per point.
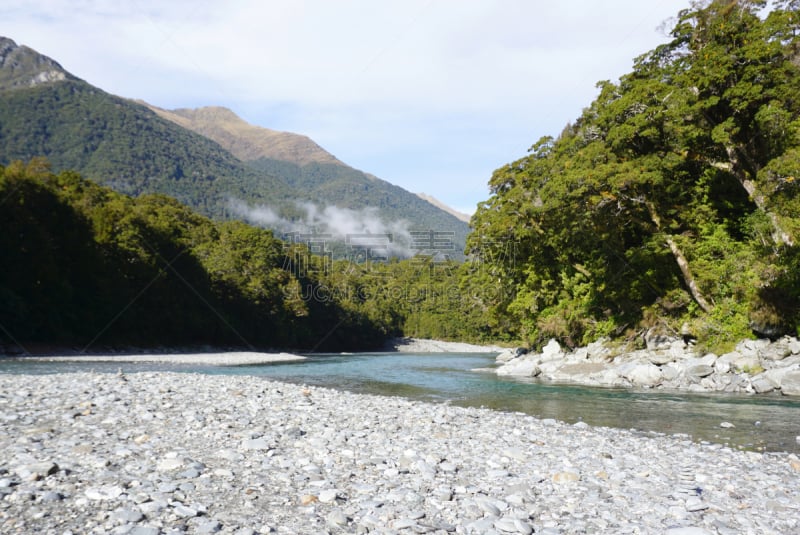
758 423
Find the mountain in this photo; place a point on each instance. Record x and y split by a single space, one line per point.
319 175
204 158
21 67
244 140
45 111
442 206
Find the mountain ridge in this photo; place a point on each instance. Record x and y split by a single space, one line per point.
442 206
244 140
46 111
21 66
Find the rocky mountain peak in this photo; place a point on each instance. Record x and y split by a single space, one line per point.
244 140
22 67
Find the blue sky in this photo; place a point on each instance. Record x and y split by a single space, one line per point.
431 95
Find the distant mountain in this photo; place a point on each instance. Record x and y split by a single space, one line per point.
442 206
45 111
318 175
244 140
204 158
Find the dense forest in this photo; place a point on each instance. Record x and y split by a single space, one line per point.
86 267
671 203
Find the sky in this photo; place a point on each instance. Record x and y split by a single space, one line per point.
431 95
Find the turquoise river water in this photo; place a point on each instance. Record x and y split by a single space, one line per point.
769 422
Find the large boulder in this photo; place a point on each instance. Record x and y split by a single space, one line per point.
697 372
552 351
510 354
761 384
578 372
525 366
738 361
644 374
790 384
776 351
660 357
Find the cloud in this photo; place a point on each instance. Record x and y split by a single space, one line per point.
357 229
457 88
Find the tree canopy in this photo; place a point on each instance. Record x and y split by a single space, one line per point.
671 201
87 267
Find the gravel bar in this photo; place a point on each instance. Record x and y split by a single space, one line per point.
241 358
150 453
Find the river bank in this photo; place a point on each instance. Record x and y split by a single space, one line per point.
233 358
754 367
151 453
423 345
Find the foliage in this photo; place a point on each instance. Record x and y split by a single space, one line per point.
673 195
124 145
86 266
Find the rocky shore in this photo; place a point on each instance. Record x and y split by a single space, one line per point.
755 366
151 453
423 345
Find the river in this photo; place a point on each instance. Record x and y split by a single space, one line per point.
768 422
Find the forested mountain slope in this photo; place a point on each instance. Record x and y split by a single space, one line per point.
46 111
315 174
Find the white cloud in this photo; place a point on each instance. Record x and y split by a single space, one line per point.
418 92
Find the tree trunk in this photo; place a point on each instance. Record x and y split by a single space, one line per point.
683 263
688 278
779 235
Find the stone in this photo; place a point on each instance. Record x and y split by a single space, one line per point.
126 515
762 385
565 477
488 506
775 352
525 366
644 375
790 384
337 518
184 511
109 492
36 471
144 530
328 496
655 340
208 526
552 350
699 371
689 530
695 504
255 444
726 425
506 525
165 465
659 358
308 499
510 354
51 496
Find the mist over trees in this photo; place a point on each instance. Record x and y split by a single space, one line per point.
86 267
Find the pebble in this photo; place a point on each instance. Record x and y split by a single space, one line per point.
281 458
327 496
